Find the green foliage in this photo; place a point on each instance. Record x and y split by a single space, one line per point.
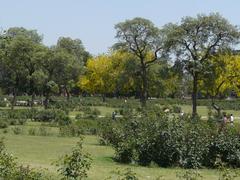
52 116
75 164
83 126
32 131
125 174
7 162
17 130
43 131
190 174
3 123
88 113
152 136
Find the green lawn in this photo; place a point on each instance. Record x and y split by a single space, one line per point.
203 110
40 151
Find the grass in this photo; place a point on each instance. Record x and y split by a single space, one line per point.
38 151
104 111
203 110
42 151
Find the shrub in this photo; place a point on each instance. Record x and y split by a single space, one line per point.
7 162
43 131
32 131
75 164
3 123
17 130
25 172
84 126
52 116
226 146
70 130
153 136
3 103
176 109
88 113
125 174
228 174
192 174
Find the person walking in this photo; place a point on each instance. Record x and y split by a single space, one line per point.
224 119
231 119
113 115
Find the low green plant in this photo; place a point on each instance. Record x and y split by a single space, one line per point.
17 130
32 131
190 174
125 174
75 164
3 123
43 131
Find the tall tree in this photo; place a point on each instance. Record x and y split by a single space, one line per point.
225 76
20 47
13 73
67 71
140 37
195 39
100 76
75 48
75 58
29 34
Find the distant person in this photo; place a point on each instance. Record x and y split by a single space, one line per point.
113 115
223 123
181 113
224 119
231 119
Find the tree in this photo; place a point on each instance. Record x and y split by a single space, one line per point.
99 77
195 39
19 47
163 80
72 57
124 67
13 73
225 76
46 77
66 71
75 48
140 37
20 31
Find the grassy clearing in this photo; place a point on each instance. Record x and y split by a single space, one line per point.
203 110
40 151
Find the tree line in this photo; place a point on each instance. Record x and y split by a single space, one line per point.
192 57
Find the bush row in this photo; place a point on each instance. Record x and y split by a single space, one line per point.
154 137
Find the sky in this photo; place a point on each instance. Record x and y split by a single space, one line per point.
92 21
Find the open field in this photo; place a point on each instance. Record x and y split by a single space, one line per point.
42 151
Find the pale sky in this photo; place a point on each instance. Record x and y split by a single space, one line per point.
93 21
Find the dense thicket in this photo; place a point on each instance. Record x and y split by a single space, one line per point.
153 137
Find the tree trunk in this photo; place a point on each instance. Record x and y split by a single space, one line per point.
13 102
194 97
68 94
46 101
32 100
144 94
216 107
103 97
